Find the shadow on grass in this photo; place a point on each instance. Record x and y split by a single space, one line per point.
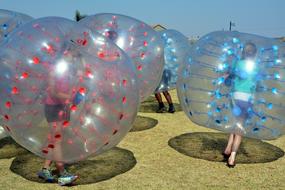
9 148
143 123
209 146
150 105
95 169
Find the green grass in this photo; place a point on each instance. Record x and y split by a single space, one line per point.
159 166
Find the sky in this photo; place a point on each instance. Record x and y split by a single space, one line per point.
192 18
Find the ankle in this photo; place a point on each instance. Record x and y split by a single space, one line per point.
227 151
161 104
62 172
232 156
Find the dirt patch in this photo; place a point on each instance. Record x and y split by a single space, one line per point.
95 169
9 148
143 123
209 146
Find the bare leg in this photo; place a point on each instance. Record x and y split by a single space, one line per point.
58 148
57 151
167 97
47 164
169 101
161 107
60 167
235 147
228 149
237 142
158 97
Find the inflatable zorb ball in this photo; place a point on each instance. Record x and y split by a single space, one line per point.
9 21
67 92
233 82
176 48
140 42
3 134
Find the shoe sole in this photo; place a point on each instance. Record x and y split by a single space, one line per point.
63 184
161 111
47 180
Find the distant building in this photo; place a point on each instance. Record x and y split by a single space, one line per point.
193 39
159 27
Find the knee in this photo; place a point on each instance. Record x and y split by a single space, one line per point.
166 93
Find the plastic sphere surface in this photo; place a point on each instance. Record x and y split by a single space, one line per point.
9 21
2 133
66 92
138 40
234 82
176 48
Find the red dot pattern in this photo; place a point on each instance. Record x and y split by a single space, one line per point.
124 100
7 117
142 55
57 136
73 108
82 90
36 60
15 90
8 128
101 55
8 104
140 68
51 146
124 83
145 43
109 93
65 124
115 131
25 75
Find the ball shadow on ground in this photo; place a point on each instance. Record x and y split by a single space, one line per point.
95 169
143 123
150 105
209 146
9 148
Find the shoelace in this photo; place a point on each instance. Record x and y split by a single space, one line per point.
66 174
47 173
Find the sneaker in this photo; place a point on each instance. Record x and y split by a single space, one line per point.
171 109
46 175
66 178
161 109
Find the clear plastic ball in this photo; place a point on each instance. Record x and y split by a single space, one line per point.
67 92
176 49
3 134
138 40
233 82
9 21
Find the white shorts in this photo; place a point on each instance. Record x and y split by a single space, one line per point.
242 96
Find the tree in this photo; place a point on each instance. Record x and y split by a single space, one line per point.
78 16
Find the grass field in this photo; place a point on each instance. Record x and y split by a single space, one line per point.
158 166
